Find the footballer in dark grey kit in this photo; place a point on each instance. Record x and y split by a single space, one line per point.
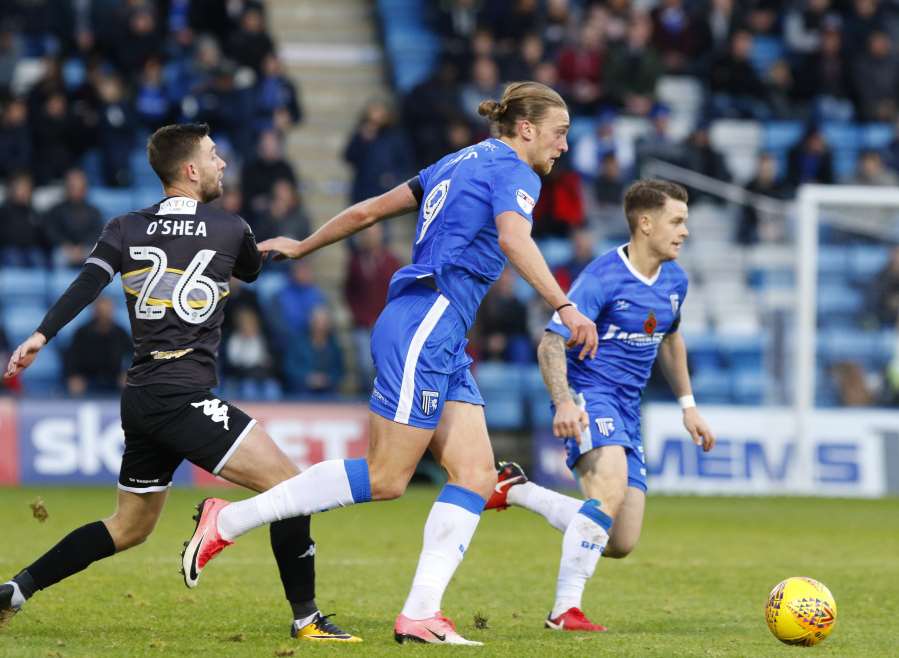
176 259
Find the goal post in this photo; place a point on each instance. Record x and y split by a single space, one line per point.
811 200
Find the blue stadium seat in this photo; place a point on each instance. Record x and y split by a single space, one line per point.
556 251
866 261
268 285
742 353
713 386
841 134
844 163
505 410
749 387
782 135
580 127
90 162
836 300
45 373
21 321
21 283
833 260
110 201
876 135
146 195
886 345
840 344
765 51
60 279
541 413
496 376
141 170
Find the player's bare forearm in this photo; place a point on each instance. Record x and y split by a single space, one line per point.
357 217
554 367
516 242
673 362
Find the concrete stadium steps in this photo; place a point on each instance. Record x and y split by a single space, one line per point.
331 50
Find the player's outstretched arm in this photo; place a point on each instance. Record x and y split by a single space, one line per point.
84 289
516 242
397 201
673 361
570 419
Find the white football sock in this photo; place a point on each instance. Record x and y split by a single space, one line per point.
448 532
18 599
557 508
305 621
583 543
323 486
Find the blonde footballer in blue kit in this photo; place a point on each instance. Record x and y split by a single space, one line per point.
634 293
474 212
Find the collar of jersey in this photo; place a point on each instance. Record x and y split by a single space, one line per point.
633 270
499 141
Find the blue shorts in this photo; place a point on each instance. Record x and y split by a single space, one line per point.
418 348
611 424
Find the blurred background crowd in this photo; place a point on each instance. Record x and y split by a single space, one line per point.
751 99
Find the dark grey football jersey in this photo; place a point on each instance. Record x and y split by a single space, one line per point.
176 259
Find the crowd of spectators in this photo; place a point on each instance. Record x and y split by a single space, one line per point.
83 83
804 62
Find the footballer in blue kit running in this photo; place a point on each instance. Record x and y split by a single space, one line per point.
474 212
634 293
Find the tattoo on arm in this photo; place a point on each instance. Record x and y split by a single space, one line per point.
554 367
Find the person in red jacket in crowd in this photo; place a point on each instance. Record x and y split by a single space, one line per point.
365 289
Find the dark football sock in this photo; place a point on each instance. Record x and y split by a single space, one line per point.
295 554
74 553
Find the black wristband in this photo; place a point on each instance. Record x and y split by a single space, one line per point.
559 308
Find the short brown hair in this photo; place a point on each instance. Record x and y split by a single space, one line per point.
171 145
521 100
647 195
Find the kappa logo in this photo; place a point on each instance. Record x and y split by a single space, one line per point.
429 402
525 201
622 305
214 408
605 426
675 302
310 552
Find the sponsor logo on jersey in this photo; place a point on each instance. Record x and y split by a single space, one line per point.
165 355
605 426
636 339
675 302
214 408
649 326
178 205
429 402
525 201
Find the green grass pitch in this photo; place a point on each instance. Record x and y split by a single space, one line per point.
696 585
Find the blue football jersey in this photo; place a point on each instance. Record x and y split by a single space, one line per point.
632 314
456 239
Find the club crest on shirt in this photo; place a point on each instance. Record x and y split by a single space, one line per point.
429 402
525 201
675 302
649 326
